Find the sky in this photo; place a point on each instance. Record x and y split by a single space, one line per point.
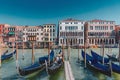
38 12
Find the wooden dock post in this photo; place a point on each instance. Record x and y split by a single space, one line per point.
16 51
103 53
33 58
78 53
0 57
49 48
23 51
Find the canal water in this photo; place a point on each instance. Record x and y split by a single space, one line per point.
8 70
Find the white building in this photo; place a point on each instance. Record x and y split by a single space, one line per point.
33 33
71 31
100 31
50 33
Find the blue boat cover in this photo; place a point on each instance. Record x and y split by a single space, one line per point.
42 59
35 65
98 57
95 63
87 56
6 56
115 67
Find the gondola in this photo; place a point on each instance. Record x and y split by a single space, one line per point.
99 58
96 66
31 69
34 67
58 63
7 56
115 67
42 59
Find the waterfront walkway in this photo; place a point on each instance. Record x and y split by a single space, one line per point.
68 71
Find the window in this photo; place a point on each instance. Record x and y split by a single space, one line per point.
37 38
81 27
61 27
61 41
81 41
75 22
91 27
66 22
111 27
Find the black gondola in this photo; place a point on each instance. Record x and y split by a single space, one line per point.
31 69
96 66
34 67
7 56
58 63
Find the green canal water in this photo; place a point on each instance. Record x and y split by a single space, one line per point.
8 70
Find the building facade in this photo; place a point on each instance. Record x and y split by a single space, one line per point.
117 31
101 31
71 32
49 34
3 33
33 34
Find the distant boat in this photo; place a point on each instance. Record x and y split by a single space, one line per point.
95 65
58 63
34 67
99 58
7 56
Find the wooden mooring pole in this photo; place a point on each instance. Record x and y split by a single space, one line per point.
33 58
0 57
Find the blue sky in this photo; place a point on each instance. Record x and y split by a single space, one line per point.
38 12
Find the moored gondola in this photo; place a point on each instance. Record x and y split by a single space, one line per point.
7 56
34 67
115 67
96 66
99 58
58 63
31 69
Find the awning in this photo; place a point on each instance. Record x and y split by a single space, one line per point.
11 33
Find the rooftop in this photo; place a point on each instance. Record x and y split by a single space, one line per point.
71 20
99 20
